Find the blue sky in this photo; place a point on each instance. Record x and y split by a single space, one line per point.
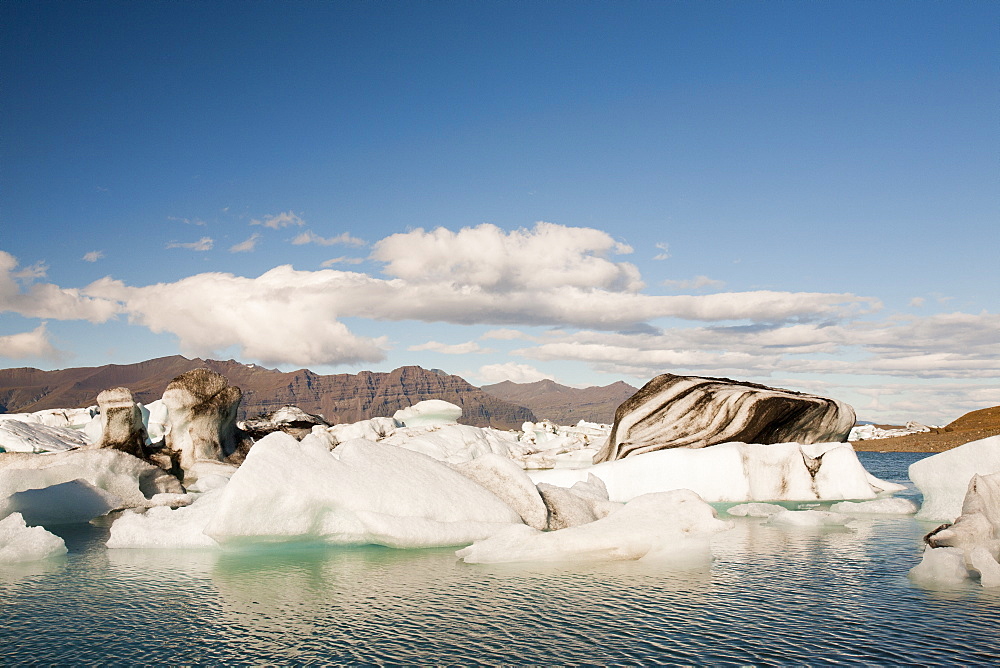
800 194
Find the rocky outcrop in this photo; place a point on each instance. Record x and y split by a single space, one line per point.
564 405
289 419
690 412
340 398
121 423
201 414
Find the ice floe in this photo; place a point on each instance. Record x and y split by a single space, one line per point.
19 542
944 478
669 526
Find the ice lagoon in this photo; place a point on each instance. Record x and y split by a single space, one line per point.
774 594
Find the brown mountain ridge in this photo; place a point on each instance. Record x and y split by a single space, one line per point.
340 398
562 404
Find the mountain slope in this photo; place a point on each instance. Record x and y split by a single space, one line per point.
340 398
565 405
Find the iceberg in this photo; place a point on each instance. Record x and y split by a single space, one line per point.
164 528
428 413
669 526
944 478
22 436
361 493
451 443
19 542
890 506
735 472
71 502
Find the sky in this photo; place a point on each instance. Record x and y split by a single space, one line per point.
803 195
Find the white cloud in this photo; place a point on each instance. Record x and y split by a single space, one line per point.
343 259
93 256
284 219
665 252
31 273
29 344
203 244
451 349
45 300
504 334
489 258
246 246
694 283
310 237
516 373
917 302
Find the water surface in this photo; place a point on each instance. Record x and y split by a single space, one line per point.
773 596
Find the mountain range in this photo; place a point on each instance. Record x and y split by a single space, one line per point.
340 398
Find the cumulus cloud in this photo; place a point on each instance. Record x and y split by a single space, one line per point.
276 222
491 259
695 283
45 300
31 273
246 246
29 344
93 256
310 237
664 253
451 349
516 373
203 244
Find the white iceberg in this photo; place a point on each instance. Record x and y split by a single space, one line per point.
451 443
71 502
428 413
755 510
889 506
944 478
672 526
19 542
23 436
360 493
162 527
735 472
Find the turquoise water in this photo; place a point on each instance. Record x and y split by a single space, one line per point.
772 596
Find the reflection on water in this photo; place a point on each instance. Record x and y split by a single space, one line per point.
773 595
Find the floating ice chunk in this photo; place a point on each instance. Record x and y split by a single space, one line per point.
732 472
72 502
892 506
154 415
163 528
983 562
671 526
510 484
755 510
361 493
809 518
21 436
427 413
944 478
206 475
132 480
374 429
452 443
19 542
942 566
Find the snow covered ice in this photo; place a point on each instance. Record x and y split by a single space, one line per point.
735 472
944 478
19 542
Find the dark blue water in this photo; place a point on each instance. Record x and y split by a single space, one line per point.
773 596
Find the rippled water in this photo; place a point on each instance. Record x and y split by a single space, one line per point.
772 596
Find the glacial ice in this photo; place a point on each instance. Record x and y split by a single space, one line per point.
451 443
374 429
18 435
508 481
358 494
889 506
163 527
944 478
428 413
130 482
940 567
668 526
19 542
735 472
755 510
71 502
